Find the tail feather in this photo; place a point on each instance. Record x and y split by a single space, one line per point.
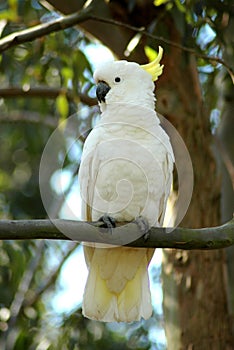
97 301
132 303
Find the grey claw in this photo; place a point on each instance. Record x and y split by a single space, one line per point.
143 225
107 222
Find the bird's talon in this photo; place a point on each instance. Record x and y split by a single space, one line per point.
146 236
107 222
143 225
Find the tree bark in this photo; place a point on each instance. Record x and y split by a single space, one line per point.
225 150
208 238
198 278
226 132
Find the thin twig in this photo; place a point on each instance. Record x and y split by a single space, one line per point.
166 41
19 296
51 278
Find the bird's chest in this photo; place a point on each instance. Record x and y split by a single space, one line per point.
126 172
128 162
129 141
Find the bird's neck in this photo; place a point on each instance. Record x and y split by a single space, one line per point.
128 113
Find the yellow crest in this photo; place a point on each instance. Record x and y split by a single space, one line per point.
154 68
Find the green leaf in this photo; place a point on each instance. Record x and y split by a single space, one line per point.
150 53
180 6
9 15
160 2
67 74
62 106
5 180
13 4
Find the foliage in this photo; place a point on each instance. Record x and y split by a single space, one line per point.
46 62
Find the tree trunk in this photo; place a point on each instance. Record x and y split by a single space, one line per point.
197 278
225 150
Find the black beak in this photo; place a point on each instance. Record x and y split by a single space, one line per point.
102 90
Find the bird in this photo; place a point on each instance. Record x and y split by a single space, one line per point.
125 175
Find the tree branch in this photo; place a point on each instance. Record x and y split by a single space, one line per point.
181 238
86 14
40 30
45 92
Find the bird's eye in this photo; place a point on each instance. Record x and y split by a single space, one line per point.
117 80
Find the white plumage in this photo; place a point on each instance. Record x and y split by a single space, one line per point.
125 172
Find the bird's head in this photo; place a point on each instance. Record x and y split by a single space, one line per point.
127 82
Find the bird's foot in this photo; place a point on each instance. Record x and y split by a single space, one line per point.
106 221
143 225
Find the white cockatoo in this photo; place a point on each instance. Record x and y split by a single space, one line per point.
125 173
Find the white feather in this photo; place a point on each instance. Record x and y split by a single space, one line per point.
126 171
